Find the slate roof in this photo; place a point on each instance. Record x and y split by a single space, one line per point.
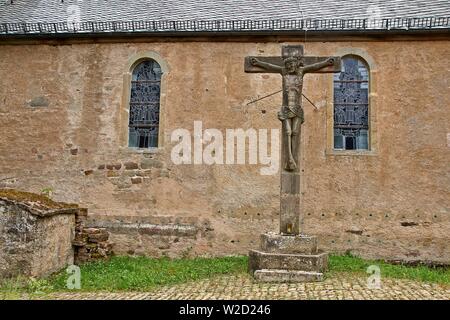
125 10
59 11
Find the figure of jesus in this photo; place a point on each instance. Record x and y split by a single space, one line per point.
291 113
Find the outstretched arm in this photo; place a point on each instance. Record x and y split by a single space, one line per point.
265 65
318 65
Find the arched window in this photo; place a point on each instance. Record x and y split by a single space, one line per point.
144 105
351 105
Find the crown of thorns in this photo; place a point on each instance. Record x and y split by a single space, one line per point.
292 59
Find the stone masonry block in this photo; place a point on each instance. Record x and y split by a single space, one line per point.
260 260
287 276
300 244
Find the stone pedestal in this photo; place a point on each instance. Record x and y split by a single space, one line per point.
287 258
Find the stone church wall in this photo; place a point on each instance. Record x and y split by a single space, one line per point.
63 120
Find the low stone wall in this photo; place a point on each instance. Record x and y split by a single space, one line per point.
39 236
35 238
156 236
172 236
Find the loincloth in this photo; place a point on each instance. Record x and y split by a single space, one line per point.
290 113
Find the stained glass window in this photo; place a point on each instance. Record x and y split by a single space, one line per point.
351 105
144 105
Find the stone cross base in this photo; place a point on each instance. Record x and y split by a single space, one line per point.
285 258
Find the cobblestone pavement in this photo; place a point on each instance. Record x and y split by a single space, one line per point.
342 286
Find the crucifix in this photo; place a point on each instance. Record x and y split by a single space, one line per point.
292 66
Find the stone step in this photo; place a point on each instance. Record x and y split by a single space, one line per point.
287 276
259 260
299 244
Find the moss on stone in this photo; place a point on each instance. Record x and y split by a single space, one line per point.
33 198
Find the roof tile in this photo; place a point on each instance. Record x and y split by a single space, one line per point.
32 11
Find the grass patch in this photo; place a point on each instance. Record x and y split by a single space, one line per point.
353 264
143 274
140 273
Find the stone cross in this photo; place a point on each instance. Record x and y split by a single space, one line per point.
292 66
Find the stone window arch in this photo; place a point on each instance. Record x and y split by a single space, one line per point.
351 123
145 97
143 105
